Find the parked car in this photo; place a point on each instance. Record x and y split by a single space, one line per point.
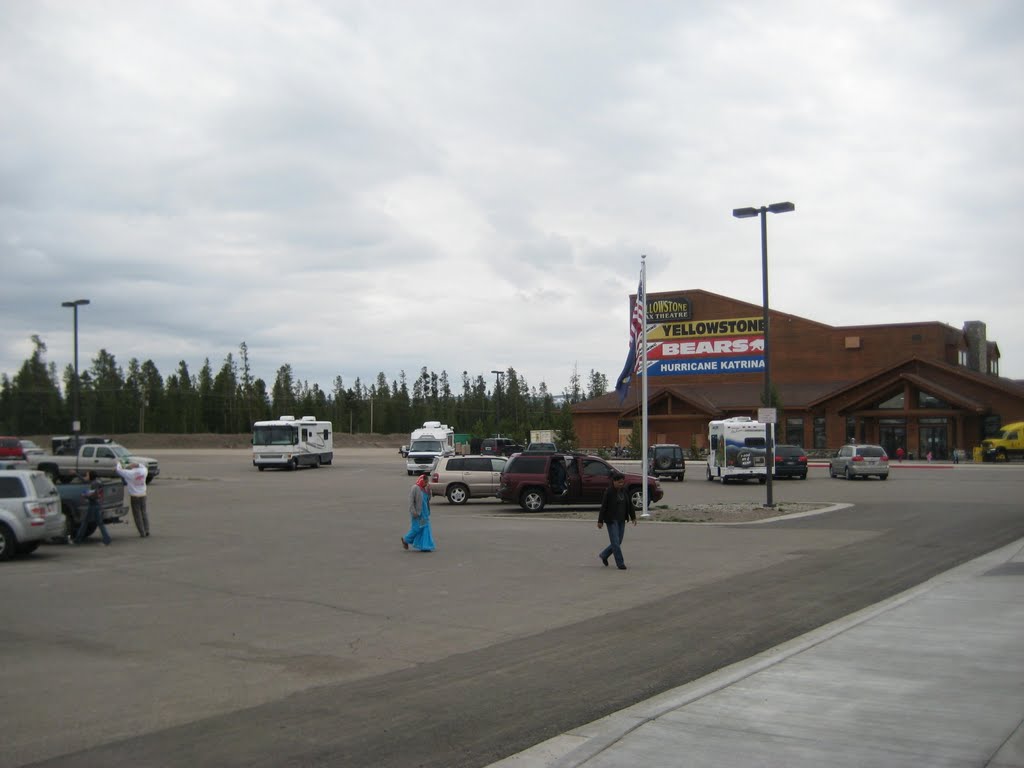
790 461
499 446
101 458
666 460
29 512
30 448
530 480
541 448
860 461
460 478
11 450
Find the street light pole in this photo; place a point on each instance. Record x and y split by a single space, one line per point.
769 447
497 402
76 425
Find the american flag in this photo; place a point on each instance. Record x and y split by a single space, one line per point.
636 342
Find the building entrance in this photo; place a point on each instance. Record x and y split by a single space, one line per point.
934 438
892 434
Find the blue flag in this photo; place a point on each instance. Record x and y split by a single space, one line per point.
636 338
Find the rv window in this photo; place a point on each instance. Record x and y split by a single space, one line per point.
714 442
326 433
754 442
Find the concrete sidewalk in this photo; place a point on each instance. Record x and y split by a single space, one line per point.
931 677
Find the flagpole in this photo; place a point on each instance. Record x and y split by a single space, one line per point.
643 373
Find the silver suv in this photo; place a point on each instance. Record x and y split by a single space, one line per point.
29 511
859 461
460 478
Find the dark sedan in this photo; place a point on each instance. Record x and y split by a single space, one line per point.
790 461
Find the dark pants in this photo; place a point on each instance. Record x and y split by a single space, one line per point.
93 515
616 533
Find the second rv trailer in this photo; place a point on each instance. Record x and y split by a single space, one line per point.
737 450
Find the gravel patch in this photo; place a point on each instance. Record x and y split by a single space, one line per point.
689 513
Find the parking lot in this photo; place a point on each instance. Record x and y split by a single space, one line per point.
259 586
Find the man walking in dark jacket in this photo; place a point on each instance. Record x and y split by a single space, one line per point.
616 506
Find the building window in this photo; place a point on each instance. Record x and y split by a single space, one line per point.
963 357
795 431
892 404
924 400
851 430
820 439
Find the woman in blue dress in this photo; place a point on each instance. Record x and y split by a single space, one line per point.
419 535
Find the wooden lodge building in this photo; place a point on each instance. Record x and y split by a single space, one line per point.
924 386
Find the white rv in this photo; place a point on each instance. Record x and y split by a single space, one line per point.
428 442
736 450
288 443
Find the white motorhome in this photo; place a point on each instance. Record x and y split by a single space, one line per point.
428 442
736 450
290 443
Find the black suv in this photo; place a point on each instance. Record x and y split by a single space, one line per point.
666 460
790 461
533 480
499 446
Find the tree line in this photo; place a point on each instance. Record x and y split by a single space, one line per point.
114 400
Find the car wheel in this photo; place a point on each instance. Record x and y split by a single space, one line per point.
663 462
260 468
710 478
883 477
803 476
8 543
532 500
849 476
636 496
762 480
457 494
294 463
316 463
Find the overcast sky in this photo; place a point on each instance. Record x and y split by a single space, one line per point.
356 187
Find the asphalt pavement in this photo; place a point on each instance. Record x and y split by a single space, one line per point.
933 676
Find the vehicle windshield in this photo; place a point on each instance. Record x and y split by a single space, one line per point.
426 446
273 435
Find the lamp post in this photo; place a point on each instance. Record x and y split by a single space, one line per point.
497 402
747 213
76 426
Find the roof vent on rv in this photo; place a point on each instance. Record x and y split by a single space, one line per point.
309 418
287 418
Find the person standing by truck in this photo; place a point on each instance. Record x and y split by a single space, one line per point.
94 494
135 478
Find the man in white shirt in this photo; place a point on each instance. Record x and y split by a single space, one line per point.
135 478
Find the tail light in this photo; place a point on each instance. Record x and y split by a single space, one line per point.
35 511
857 458
802 459
884 458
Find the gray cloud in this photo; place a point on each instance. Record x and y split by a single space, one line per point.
343 186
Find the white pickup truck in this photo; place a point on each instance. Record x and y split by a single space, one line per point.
100 458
